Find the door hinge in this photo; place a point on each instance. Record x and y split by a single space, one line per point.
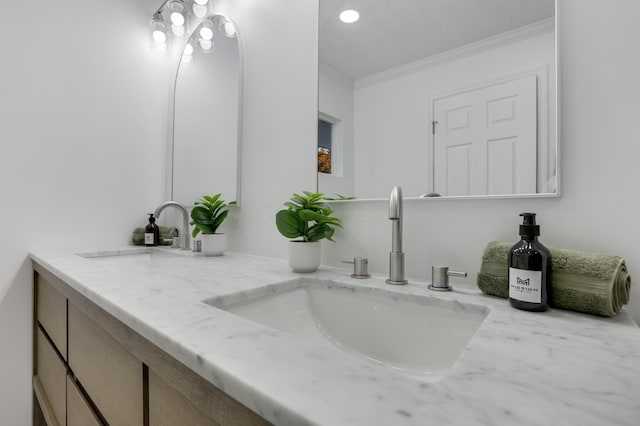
433 127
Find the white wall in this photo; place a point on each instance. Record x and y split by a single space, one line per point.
83 117
600 100
280 116
393 112
84 139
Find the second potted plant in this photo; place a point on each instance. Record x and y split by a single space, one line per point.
207 215
309 217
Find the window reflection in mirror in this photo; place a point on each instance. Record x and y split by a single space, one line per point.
455 97
207 114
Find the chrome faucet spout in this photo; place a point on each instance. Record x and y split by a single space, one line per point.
396 257
186 240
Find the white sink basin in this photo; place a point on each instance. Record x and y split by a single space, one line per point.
416 334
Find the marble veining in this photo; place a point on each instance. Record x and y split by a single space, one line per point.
559 367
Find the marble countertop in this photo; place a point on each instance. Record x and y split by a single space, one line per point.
552 368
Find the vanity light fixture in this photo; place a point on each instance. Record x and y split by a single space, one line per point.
176 19
349 16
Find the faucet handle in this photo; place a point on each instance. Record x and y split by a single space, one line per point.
440 278
360 267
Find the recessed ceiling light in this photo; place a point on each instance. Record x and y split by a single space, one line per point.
349 16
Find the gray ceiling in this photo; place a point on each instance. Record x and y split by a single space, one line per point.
395 32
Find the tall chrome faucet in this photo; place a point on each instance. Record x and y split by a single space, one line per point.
186 240
396 257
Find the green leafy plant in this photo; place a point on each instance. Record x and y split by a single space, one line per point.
307 216
208 214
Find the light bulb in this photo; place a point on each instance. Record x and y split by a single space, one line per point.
349 16
206 33
201 2
159 37
177 19
188 49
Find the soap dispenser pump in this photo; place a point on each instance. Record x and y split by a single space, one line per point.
529 269
151 232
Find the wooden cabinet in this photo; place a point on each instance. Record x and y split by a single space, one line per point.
97 371
108 372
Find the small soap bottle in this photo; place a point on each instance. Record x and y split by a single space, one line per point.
151 232
529 269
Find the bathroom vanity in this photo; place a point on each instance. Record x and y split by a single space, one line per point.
145 336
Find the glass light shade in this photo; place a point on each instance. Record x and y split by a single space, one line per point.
206 33
201 2
349 16
159 37
158 34
188 49
177 19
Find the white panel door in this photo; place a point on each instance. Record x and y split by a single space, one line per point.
485 140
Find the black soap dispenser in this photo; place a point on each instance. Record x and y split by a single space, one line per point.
529 269
151 232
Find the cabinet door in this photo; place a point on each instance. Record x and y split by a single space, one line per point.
167 407
51 375
79 412
111 376
51 307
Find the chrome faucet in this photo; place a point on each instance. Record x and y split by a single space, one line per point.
396 257
186 241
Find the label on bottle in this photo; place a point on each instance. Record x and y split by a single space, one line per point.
525 285
148 237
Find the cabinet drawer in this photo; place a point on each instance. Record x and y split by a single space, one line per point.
51 311
51 374
109 374
79 412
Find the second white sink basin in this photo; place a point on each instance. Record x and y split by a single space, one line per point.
416 334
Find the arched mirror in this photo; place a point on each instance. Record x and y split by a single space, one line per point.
207 114
453 97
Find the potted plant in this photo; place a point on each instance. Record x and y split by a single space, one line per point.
307 217
207 215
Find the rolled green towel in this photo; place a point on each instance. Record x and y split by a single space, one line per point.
166 235
583 282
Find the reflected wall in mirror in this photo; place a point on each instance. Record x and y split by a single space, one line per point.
454 97
207 114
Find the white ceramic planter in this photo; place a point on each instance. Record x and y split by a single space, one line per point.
304 256
213 244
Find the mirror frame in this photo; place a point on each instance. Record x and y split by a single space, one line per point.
556 99
178 54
